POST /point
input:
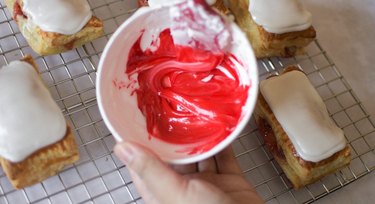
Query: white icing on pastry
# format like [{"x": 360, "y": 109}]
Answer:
[
  {"x": 153, "y": 3},
  {"x": 60, "y": 16},
  {"x": 211, "y": 2},
  {"x": 30, "y": 118},
  {"x": 280, "y": 16},
  {"x": 303, "y": 115}
]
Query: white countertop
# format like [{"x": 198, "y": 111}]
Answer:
[{"x": 346, "y": 30}]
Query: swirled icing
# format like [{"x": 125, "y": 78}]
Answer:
[{"x": 188, "y": 96}]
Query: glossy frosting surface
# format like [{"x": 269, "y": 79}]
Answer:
[
  {"x": 280, "y": 16},
  {"x": 60, "y": 16},
  {"x": 188, "y": 96},
  {"x": 303, "y": 116},
  {"x": 30, "y": 118}
]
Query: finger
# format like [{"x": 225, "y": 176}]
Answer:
[
  {"x": 185, "y": 169},
  {"x": 149, "y": 170},
  {"x": 142, "y": 188},
  {"x": 208, "y": 165},
  {"x": 227, "y": 163},
  {"x": 225, "y": 182}
]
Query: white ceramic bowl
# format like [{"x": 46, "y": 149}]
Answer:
[{"x": 119, "y": 108}]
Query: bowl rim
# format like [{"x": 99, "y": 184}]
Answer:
[{"x": 195, "y": 158}]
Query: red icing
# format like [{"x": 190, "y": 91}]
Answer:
[
  {"x": 179, "y": 107},
  {"x": 17, "y": 11},
  {"x": 269, "y": 138}
]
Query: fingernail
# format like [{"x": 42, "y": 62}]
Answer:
[{"x": 125, "y": 152}]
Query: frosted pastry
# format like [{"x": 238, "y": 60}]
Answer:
[
  {"x": 274, "y": 28},
  {"x": 35, "y": 141},
  {"x": 297, "y": 128},
  {"x": 55, "y": 26}
]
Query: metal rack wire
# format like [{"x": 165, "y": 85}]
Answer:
[{"x": 98, "y": 177}]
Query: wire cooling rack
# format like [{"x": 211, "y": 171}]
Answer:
[{"x": 98, "y": 177}]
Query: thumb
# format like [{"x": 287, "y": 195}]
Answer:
[{"x": 150, "y": 174}]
